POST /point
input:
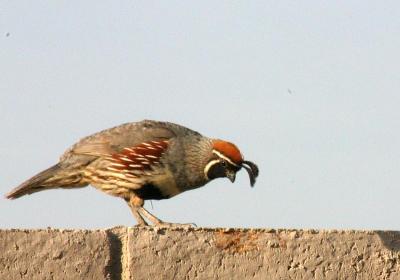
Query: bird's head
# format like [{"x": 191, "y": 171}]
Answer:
[{"x": 226, "y": 160}]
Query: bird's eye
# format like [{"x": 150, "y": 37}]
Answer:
[{"x": 224, "y": 163}]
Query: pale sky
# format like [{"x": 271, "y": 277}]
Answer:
[{"x": 309, "y": 90}]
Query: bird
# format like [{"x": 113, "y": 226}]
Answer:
[{"x": 139, "y": 161}]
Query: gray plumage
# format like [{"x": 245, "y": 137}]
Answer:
[{"x": 140, "y": 161}]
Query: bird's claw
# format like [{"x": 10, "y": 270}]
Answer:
[{"x": 178, "y": 225}]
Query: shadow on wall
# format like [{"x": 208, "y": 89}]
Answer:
[
  {"x": 390, "y": 239},
  {"x": 114, "y": 267}
]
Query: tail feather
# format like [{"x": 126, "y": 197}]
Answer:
[{"x": 53, "y": 177}]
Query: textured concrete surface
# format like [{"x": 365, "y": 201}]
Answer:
[
  {"x": 198, "y": 253},
  {"x": 54, "y": 254}
]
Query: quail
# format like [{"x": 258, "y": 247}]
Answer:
[{"x": 142, "y": 161}]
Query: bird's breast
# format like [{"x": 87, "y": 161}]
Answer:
[{"x": 161, "y": 186}]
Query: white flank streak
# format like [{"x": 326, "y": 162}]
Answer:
[
  {"x": 117, "y": 164},
  {"x": 124, "y": 176},
  {"x": 128, "y": 149},
  {"x": 225, "y": 158},
  {"x": 112, "y": 169},
  {"x": 126, "y": 159},
  {"x": 147, "y": 144},
  {"x": 135, "y": 165},
  {"x": 151, "y": 156},
  {"x": 152, "y": 148}
]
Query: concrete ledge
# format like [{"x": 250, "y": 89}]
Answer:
[
  {"x": 199, "y": 253},
  {"x": 54, "y": 254}
]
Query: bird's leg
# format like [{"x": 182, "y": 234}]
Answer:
[
  {"x": 150, "y": 217},
  {"x": 157, "y": 222},
  {"x": 135, "y": 204},
  {"x": 138, "y": 217}
]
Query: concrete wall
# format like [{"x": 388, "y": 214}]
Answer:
[{"x": 199, "y": 253}]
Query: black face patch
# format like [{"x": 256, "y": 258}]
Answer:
[
  {"x": 219, "y": 169},
  {"x": 149, "y": 191},
  {"x": 216, "y": 170}
]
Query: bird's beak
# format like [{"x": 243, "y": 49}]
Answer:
[{"x": 231, "y": 176}]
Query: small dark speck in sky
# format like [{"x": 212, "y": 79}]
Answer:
[
  {"x": 289, "y": 91},
  {"x": 8, "y": 34}
]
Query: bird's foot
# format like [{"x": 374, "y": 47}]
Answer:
[{"x": 178, "y": 225}]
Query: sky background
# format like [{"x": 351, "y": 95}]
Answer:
[{"x": 309, "y": 90}]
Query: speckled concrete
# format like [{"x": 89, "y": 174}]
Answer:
[{"x": 199, "y": 253}]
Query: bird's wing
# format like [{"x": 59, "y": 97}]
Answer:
[
  {"x": 115, "y": 140},
  {"x": 138, "y": 159}
]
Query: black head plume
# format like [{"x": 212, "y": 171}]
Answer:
[{"x": 252, "y": 169}]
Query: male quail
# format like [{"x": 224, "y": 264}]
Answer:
[{"x": 140, "y": 161}]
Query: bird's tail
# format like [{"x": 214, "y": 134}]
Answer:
[{"x": 51, "y": 178}]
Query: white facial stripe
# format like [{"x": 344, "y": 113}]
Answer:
[
  {"x": 225, "y": 158},
  {"x": 208, "y": 166}
]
